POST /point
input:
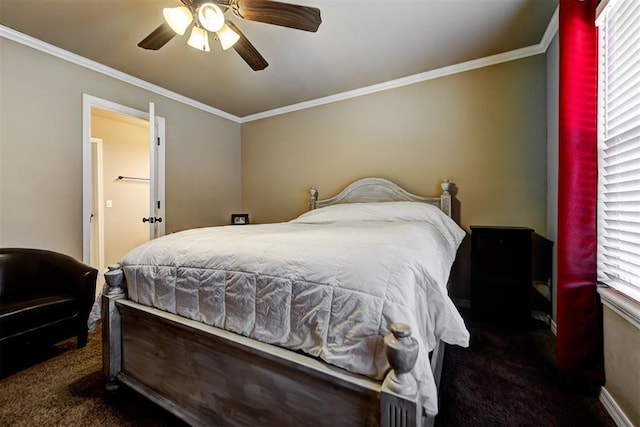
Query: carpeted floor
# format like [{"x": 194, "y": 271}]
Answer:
[
  {"x": 506, "y": 378},
  {"x": 64, "y": 386}
]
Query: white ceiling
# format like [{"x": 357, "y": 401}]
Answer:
[{"x": 359, "y": 43}]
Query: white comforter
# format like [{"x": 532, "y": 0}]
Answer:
[{"x": 327, "y": 284}]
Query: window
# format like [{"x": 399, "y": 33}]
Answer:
[{"x": 619, "y": 146}]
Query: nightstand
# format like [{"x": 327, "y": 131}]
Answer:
[{"x": 507, "y": 264}]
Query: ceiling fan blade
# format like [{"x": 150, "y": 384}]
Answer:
[
  {"x": 247, "y": 51},
  {"x": 158, "y": 38},
  {"x": 284, "y": 14}
]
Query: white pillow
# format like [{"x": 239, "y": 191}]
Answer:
[{"x": 386, "y": 211}]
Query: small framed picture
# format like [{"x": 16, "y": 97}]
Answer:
[{"x": 239, "y": 219}]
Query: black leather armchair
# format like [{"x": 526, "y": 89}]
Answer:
[{"x": 45, "y": 297}]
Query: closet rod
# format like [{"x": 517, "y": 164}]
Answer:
[{"x": 133, "y": 177}]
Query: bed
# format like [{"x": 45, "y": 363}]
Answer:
[{"x": 338, "y": 317}]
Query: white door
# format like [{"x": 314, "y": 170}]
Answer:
[{"x": 156, "y": 190}]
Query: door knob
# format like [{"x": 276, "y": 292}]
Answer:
[{"x": 152, "y": 219}]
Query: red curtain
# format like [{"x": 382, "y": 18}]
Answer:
[{"x": 579, "y": 314}]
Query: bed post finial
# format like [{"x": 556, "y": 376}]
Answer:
[
  {"x": 114, "y": 278},
  {"x": 445, "y": 197},
  {"x": 399, "y": 403},
  {"x": 402, "y": 352},
  {"x": 313, "y": 197},
  {"x": 445, "y": 185}
]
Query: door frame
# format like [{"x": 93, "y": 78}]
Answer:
[
  {"x": 99, "y": 198},
  {"x": 89, "y": 101}
]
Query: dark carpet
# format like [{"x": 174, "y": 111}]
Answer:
[
  {"x": 63, "y": 386},
  {"x": 506, "y": 378}
]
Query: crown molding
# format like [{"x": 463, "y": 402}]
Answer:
[
  {"x": 24, "y": 39},
  {"x": 551, "y": 31},
  {"x": 540, "y": 48},
  {"x": 404, "y": 81}
]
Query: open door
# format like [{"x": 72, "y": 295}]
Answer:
[
  {"x": 155, "y": 219},
  {"x": 156, "y": 186}
]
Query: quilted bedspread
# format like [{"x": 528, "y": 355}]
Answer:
[{"x": 328, "y": 287}]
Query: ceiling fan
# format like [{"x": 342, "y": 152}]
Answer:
[{"x": 207, "y": 16}]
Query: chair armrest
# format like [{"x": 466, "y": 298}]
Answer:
[{"x": 68, "y": 274}]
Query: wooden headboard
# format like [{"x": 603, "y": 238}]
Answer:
[{"x": 380, "y": 190}]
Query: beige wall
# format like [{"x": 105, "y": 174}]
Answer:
[
  {"x": 483, "y": 129},
  {"x": 622, "y": 363},
  {"x": 41, "y": 152}
]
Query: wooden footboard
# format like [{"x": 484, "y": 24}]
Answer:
[{"x": 209, "y": 376}]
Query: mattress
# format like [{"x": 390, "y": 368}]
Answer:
[{"x": 328, "y": 283}]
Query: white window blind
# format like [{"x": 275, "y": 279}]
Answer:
[{"x": 619, "y": 146}]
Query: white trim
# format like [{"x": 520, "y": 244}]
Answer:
[
  {"x": 551, "y": 31},
  {"x": 34, "y": 43},
  {"x": 612, "y": 407},
  {"x": 513, "y": 55},
  {"x": 100, "y": 196},
  {"x": 600, "y": 10},
  {"x": 621, "y": 304},
  {"x": 113, "y": 106},
  {"x": 405, "y": 81},
  {"x": 547, "y": 38},
  {"x": 86, "y": 179}
]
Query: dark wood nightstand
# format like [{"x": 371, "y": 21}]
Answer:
[{"x": 506, "y": 263}]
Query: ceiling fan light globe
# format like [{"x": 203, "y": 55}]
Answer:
[
  {"x": 178, "y": 18},
  {"x": 210, "y": 17},
  {"x": 227, "y": 37},
  {"x": 199, "y": 39}
]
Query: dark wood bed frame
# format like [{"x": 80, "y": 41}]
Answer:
[{"x": 208, "y": 376}]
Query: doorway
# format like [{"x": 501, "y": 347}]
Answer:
[{"x": 123, "y": 180}]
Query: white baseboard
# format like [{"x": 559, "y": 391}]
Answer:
[{"x": 613, "y": 409}]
